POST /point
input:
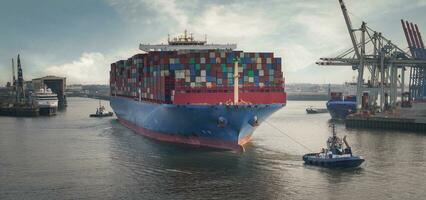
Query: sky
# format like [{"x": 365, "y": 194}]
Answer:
[{"x": 80, "y": 38}]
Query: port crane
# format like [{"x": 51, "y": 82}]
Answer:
[
  {"x": 376, "y": 56},
  {"x": 417, "y": 49}
]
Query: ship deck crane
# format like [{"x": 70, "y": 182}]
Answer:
[{"x": 386, "y": 64}]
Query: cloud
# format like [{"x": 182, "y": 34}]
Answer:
[
  {"x": 296, "y": 57},
  {"x": 88, "y": 69},
  {"x": 229, "y": 21},
  {"x": 299, "y": 31}
]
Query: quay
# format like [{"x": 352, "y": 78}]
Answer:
[
  {"x": 389, "y": 123},
  {"x": 19, "y": 110},
  {"x": 409, "y": 118}
]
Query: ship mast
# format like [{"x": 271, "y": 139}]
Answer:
[{"x": 236, "y": 81}]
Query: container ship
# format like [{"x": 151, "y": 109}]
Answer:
[
  {"x": 342, "y": 103},
  {"x": 191, "y": 92}
]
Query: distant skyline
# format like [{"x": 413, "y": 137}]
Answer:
[{"x": 80, "y": 38}]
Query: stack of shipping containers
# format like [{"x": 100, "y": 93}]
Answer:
[{"x": 159, "y": 75}]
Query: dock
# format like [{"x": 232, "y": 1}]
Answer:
[
  {"x": 389, "y": 123},
  {"x": 409, "y": 119},
  {"x": 19, "y": 110}
]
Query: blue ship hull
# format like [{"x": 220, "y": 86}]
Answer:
[
  {"x": 340, "y": 109},
  {"x": 217, "y": 126}
]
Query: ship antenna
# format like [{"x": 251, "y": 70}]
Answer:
[
  {"x": 205, "y": 38},
  {"x": 168, "y": 38},
  {"x": 185, "y": 37},
  {"x": 333, "y": 128}
]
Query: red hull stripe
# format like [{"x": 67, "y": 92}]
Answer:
[
  {"x": 214, "y": 98},
  {"x": 193, "y": 141}
]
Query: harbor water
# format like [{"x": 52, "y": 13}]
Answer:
[{"x": 72, "y": 156}]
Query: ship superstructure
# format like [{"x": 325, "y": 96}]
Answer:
[{"x": 46, "y": 101}]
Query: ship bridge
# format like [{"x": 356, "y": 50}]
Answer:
[{"x": 185, "y": 42}]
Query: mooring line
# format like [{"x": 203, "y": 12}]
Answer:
[{"x": 294, "y": 140}]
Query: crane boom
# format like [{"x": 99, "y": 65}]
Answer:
[{"x": 349, "y": 25}]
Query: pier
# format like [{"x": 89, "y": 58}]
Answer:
[
  {"x": 19, "y": 111},
  {"x": 382, "y": 122}
]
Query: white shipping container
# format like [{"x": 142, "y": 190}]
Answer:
[
  {"x": 187, "y": 79},
  {"x": 261, "y": 72},
  {"x": 222, "y": 54},
  {"x": 268, "y": 60},
  {"x": 203, "y": 60},
  {"x": 251, "y": 79},
  {"x": 259, "y": 60},
  {"x": 212, "y": 55},
  {"x": 209, "y": 84},
  {"x": 203, "y": 79},
  {"x": 240, "y": 70},
  {"x": 192, "y": 84},
  {"x": 203, "y": 72},
  {"x": 172, "y": 61}
]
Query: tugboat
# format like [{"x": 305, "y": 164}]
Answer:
[
  {"x": 334, "y": 156},
  {"x": 101, "y": 112}
]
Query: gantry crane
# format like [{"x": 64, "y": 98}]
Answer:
[
  {"x": 380, "y": 65},
  {"x": 415, "y": 43}
]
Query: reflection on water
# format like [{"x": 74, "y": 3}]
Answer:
[{"x": 72, "y": 156}]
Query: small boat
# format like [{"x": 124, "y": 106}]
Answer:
[
  {"x": 312, "y": 110},
  {"x": 334, "y": 156},
  {"x": 108, "y": 114},
  {"x": 101, "y": 112}
]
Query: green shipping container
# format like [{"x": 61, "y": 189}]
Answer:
[
  {"x": 223, "y": 68},
  {"x": 250, "y": 73}
]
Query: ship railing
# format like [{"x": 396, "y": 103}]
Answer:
[{"x": 227, "y": 89}]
